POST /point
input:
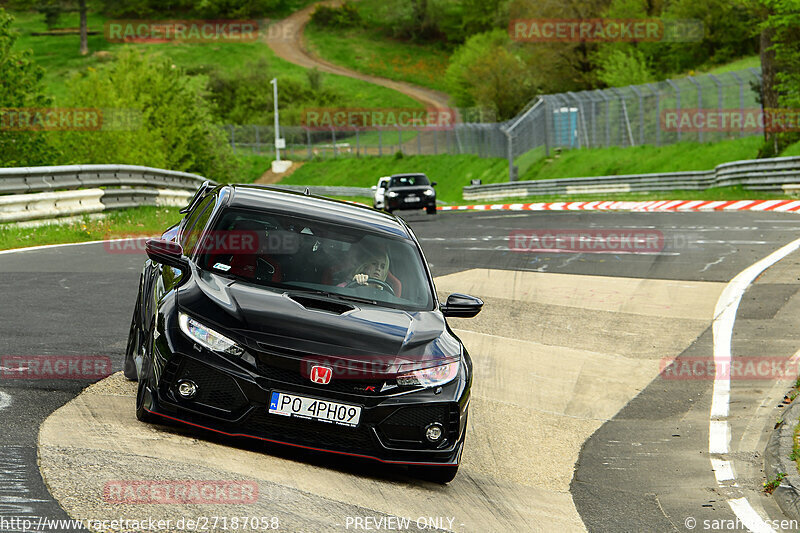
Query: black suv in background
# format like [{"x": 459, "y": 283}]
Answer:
[{"x": 410, "y": 191}]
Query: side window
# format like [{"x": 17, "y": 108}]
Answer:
[{"x": 195, "y": 223}]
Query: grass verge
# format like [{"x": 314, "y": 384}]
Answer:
[
  {"x": 116, "y": 224},
  {"x": 637, "y": 160},
  {"x": 451, "y": 172},
  {"x": 370, "y": 51},
  {"x": 60, "y": 58}
]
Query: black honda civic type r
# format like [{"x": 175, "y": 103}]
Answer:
[{"x": 303, "y": 321}]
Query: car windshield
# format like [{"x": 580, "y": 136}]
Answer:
[
  {"x": 292, "y": 253},
  {"x": 410, "y": 181}
]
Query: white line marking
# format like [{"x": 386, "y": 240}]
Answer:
[
  {"x": 749, "y": 517},
  {"x": 5, "y": 400},
  {"x": 719, "y": 436},
  {"x": 724, "y": 319},
  {"x": 723, "y": 470}
]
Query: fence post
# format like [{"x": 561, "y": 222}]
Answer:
[
  {"x": 257, "y": 145},
  {"x": 677, "y": 103},
  {"x": 380, "y": 142},
  {"x": 509, "y": 154},
  {"x": 419, "y": 142},
  {"x": 740, "y": 81},
  {"x": 641, "y": 113},
  {"x": 435, "y": 142},
  {"x": 233, "y": 139},
  {"x": 358, "y": 142},
  {"x": 399, "y": 139},
  {"x": 653, "y": 87},
  {"x": 699, "y": 103},
  {"x": 308, "y": 143},
  {"x": 333, "y": 138}
]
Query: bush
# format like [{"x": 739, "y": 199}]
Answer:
[
  {"x": 245, "y": 97},
  {"x": 346, "y": 16},
  {"x": 173, "y": 126}
]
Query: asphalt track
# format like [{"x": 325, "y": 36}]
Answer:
[{"x": 567, "y": 352}]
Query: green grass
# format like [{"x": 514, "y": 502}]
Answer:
[
  {"x": 614, "y": 161},
  {"x": 370, "y": 51},
  {"x": 451, "y": 172},
  {"x": 792, "y": 150},
  {"x": 252, "y": 167},
  {"x": 735, "y": 65},
  {"x": 117, "y": 224},
  {"x": 60, "y": 58}
]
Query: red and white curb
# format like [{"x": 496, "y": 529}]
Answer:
[{"x": 648, "y": 206}]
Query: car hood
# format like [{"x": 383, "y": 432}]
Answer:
[{"x": 296, "y": 323}]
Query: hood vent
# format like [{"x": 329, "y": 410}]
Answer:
[{"x": 327, "y": 306}]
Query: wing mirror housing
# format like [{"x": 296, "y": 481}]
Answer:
[
  {"x": 168, "y": 253},
  {"x": 461, "y": 306},
  {"x": 433, "y": 184},
  {"x": 374, "y": 187}
]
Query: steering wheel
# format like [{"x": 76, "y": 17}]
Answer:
[{"x": 374, "y": 281}]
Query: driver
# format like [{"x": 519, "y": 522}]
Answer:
[{"x": 375, "y": 266}]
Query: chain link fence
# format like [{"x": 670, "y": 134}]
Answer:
[{"x": 619, "y": 116}]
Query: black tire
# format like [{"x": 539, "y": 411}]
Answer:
[
  {"x": 134, "y": 345},
  {"x": 431, "y": 210},
  {"x": 436, "y": 474},
  {"x": 142, "y": 414}
]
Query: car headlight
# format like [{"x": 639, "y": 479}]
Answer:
[
  {"x": 207, "y": 337},
  {"x": 391, "y": 194},
  {"x": 429, "y": 192},
  {"x": 430, "y": 377}
]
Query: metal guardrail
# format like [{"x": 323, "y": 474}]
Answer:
[
  {"x": 40, "y": 193},
  {"x": 23, "y": 180},
  {"x": 327, "y": 190},
  {"x": 771, "y": 175}
]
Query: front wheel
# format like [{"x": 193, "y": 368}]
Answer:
[
  {"x": 134, "y": 345},
  {"x": 436, "y": 474},
  {"x": 431, "y": 210},
  {"x": 142, "y": 414}
]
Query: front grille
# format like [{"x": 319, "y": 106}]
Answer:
[
  {"x": 406, "y": 426},
  {"x": 294, "y": 377},
  {"x": 214, "y": 389},
  {"x": 311, "y": 433}
]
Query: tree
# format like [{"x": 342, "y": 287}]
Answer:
[
  {"x": 153, "y": 114},
  {"x": 779, "y": 36},
  {"x": 487, "y": 71},
  {"x": 53, "y": 8},
  {"x": 20, "y": 87}
]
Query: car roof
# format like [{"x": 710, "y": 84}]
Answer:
[
  {"x": 408, "y": 174},
  {"x": 318, "y": 208}
]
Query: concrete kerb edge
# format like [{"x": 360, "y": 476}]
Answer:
[{"x": 776, "y": 461}]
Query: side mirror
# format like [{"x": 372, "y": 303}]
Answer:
[
  {"x": 433, "y": 184},
  {"x": 167, "y": 253},
  {"x": 374, "y": 187},
  {"x": 461, "y": 306}
]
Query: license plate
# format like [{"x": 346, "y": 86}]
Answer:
[
  {"x": 410, "y": 199},
  {"x": 312, "y": 409}
]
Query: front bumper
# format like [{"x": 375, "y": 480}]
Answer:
[
  {"x": 400, "y": 202},
  {"x": 233, "y": 400}
]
